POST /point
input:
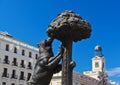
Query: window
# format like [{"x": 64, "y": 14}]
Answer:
[
  {"x": 28, "y": 77},
  {"x": 22, "y": 64},
  {"x": 30, "y": 54},
  {"x": 15, "y": 50},
  {"x": 7, "y": 47},
  {"x": 12, "y": 84},
  {"x": 14, "y": 74},
  {"x": 36, "y": 56},
  {"x": 14, "y": 63},
  {"x": 5, "y": 74},
  {"x": 3, "y": 83},
  {"x": 23, "y": 52},
  {"x": 21, "y": 75},
  {"x": 29, "y": 65},
  {"x": 6, "y": 61},
  {"x": 96, "y": 64}
]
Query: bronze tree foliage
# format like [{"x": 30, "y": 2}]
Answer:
[{"x": 69, "y": 26}]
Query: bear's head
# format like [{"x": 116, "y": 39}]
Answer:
[{"x": 45, "y": 47}]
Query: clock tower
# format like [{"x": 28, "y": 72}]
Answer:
[
  {"x": 98, "y": 62},
  {"x": 98, "y": 65}
]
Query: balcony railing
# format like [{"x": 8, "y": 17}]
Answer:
[
  {"x": 5, "y": 61},
  {"x": 5, "y": 75},
  {"x": 13, "y": 76},
  {"x": 22, "y": 66},
  {"x": 14, "y": 63},
  {"x": 29, "y": 67},
  {"x": 28, "y": 78},
  {"x": 22, "y": 78}
]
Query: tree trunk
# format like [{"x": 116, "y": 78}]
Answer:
[{"x": 66, "y": 68}]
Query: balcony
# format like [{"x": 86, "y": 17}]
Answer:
[
  {"x": 22, "y": 78},
  {"x": 22, "y": 66},
  {"x": 13, "y": 76},
  {"x": 5, "y": 75},
  {"x": 14, "y": 63},
  {"x": 29, "y": 67},
  {"x": 5, "y": 61}
]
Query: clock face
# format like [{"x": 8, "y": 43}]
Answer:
[{"x": 96, "y": 64}]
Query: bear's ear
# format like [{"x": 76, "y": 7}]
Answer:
[
  {"x": 50, "y": 39},
  {"x": 41, "y": 43}
]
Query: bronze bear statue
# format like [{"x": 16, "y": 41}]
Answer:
[{"x": 46, "y": 64}]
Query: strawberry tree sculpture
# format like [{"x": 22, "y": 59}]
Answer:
[{"x": 68, "y": 27}]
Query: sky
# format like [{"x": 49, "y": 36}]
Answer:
[{"x": 28, "y": 20}]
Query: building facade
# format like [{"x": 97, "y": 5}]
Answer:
[
  {"x": 17, "y": 60},
  {"x": 94, "y": 77},
  {"x": 78, "y": 79}
]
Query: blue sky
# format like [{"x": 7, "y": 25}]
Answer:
[{"x": 27, "y": 20}]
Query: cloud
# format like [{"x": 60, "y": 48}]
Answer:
[
  {"x": 114, "y": 72},
  {"x": 119, "y": 75}
]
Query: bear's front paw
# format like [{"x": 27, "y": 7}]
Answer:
[{"x": 72, "y": 64}]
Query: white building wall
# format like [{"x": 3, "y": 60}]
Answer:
[
  {"x": 4, "y": 39},
  {"x": 100, "y": 60},
  {"x": 57, "y": 79},
  {"x": 78, "y": 79}
]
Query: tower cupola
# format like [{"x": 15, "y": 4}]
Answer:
[{"x": 98, "y": 51}]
